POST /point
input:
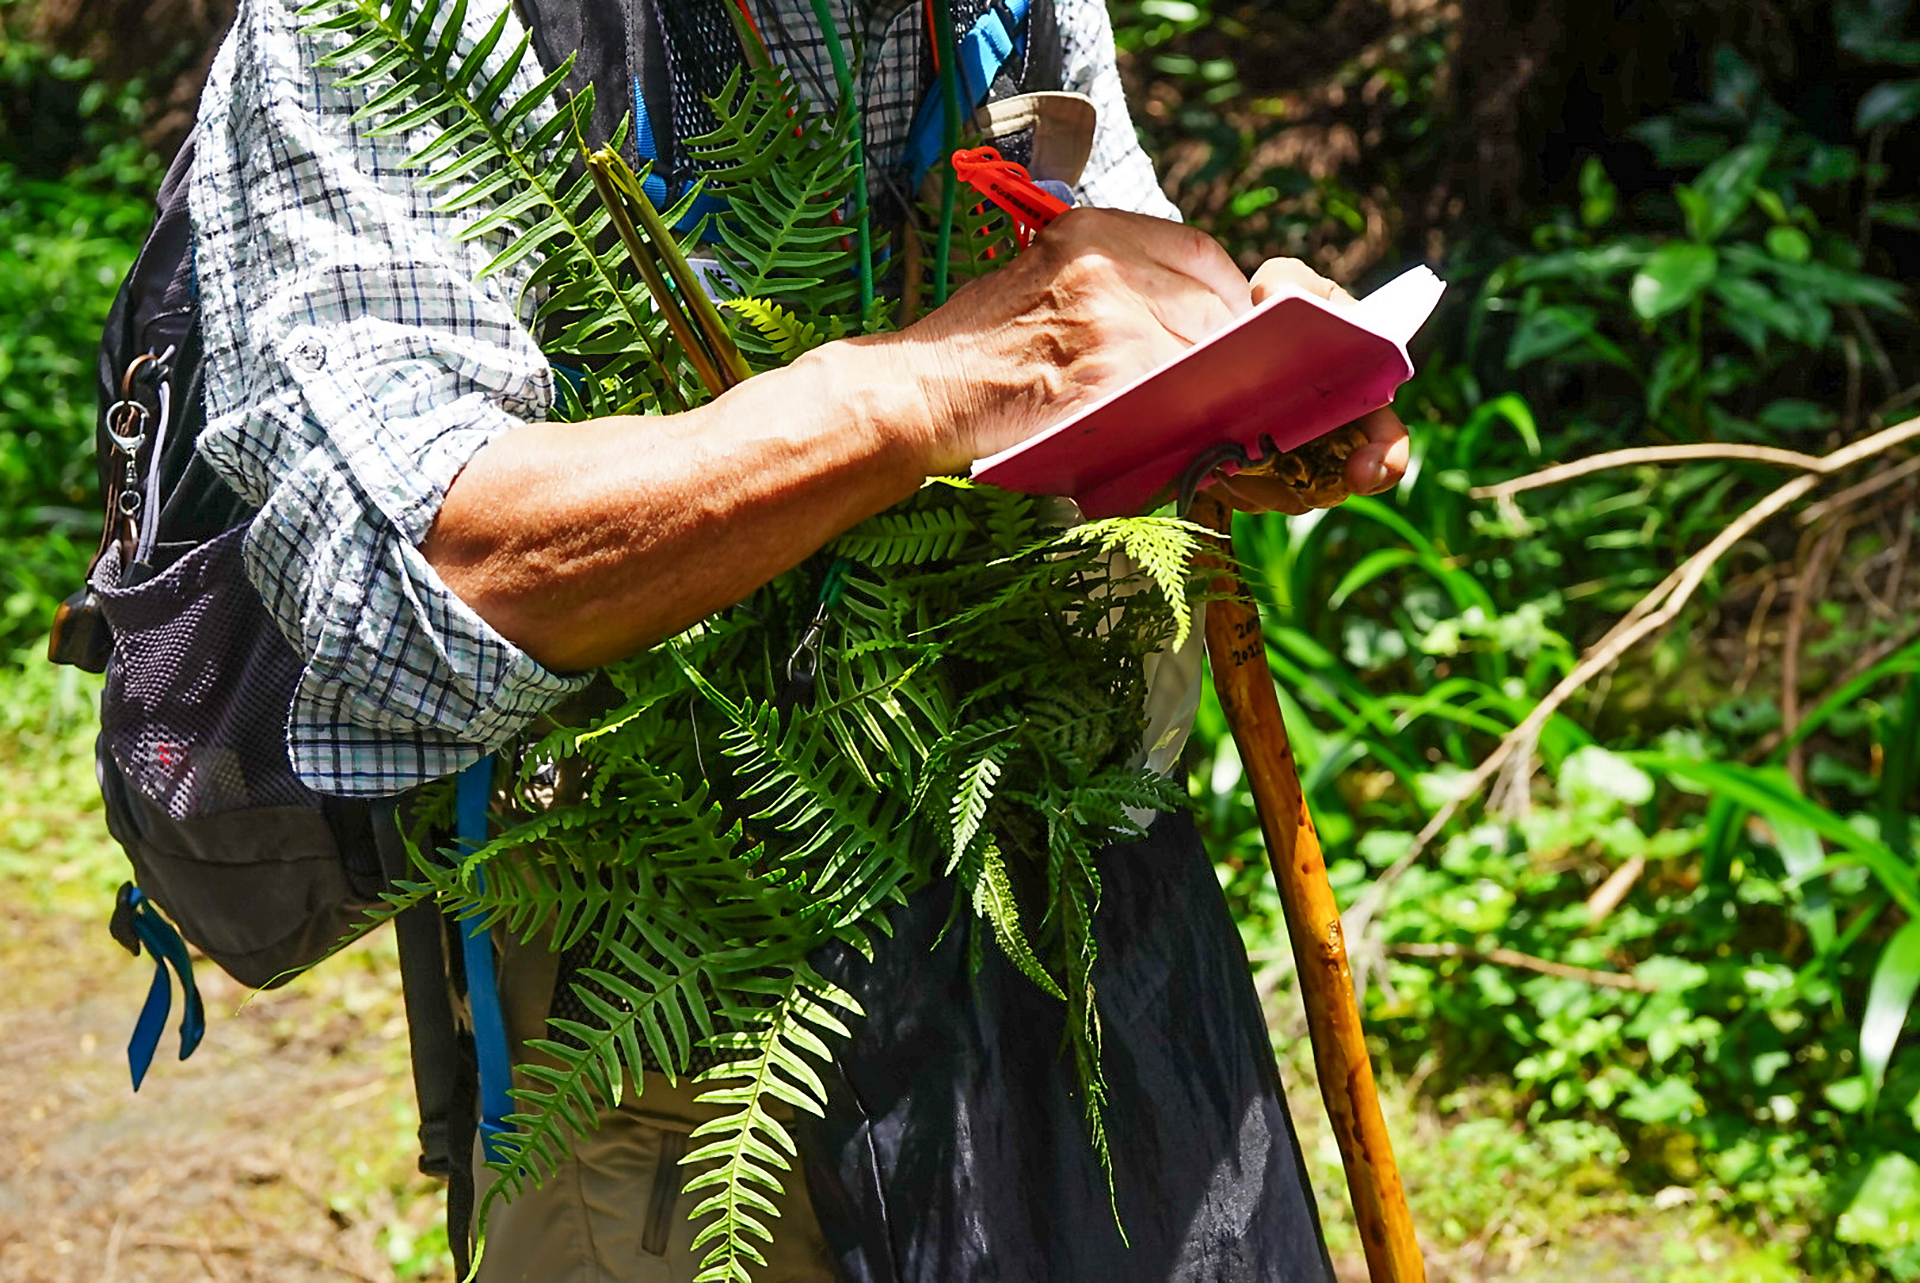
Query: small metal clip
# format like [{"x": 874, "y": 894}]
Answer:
[
  {"x": 803, "y": 666},
  {"x": 127, "y": 439}
]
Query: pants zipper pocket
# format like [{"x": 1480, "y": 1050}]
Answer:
[{"x": 665, "y": 1193}]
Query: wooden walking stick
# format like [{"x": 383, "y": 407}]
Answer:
[{"x": 1244, "y": 684}]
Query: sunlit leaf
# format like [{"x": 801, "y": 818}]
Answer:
[
  {"x": 1726, "y": 188},
  {"x": 1896, "y": 976},
  {"x": 1672, "y": 278},
  {"x": 1893, "y": 102}
]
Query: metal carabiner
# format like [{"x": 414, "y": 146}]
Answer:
[{"x": 117, "y": 415}]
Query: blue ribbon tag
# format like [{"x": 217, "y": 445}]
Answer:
[
  {"x": 137, "y": 925},
  {"x": 495, "y": 1059}
]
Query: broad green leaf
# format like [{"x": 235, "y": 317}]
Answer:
[
  {"x": 1789, "y": 244},
  {"x": 1549, "y": 330},
  {"x": 1749, "y": 302},
  {"x": 1593, "y": 265},
  {"x": 1726, "y": 188},
  {"x": 1595, "y": 774},
  {"x": 1369, "y": 568},
  {"x": 1885, "y": 1207},
  {"x": 1669, "y": 1100},
  {"x": 1896, "y": 975},
  {"x": 1598, "y": 195},
  {"x": 1822, "y": 282},
  {"x": 1677, "y": 367},
  {"x": 1672, "y": 278},
  {"x": 1893, "y": 102},
  {"x": 1508, "y": 406}
]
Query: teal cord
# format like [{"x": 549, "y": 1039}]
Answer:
[
  {"x": 949, "y": 182},
  {"x": 844, "y": 75},
  {"x": 834, "y": 581}
]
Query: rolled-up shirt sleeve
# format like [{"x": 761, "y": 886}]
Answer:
[
  {"x": 1119, "y": 174},
  {"x": 353, "y": 366}
]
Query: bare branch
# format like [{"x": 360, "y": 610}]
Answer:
[
  {"x": 1652, "y": 613},
  {"x": 1526, "y": 962},
  {"x": 1646, "y": 454},
  {"x": 1845, "y": 457},
  {"x": 1607, "y": 896},
  {"x": 1854, "y": 493}
]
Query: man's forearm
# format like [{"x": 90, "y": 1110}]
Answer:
[{"x": 584, "y": 542}]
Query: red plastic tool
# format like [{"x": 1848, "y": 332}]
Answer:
[{"x": 1007, "y": 184}]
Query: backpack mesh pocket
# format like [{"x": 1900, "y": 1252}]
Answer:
[{"x": 195, "y": 707}]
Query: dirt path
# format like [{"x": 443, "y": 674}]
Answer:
[
  {"x": 283, "y": 1152},
  {"x": 280, "y": 1151}
]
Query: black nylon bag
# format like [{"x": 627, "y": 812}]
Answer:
[
  {"x": 259, "y": 872},
  {"x": 954, "y": 1147}
]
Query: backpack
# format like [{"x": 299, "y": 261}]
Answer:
[{"x": 259, "y": 872}]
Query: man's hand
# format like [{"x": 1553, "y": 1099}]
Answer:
[
  {"x": 1099, "y": 298},
  {"x": 1376, "y": 466}
]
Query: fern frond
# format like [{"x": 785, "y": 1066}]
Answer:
[
  {"x": 787, "y": 172},
  {"x": 1163, "y": 547},
  {"x": 750, "y": 1146},
  {"x": 905, "y": 538},
  {"x": 790, "y": 336}
]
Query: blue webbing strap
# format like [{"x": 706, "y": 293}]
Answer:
[
  {"x": 655, "y": 186},
  {"x": 495, "y": 1063},
  {"x": 643, "y": 145},
  {"x": 987, "y": 46},
  {"x": 166, "y": 948},
  {"x": 994, "y": 38}
]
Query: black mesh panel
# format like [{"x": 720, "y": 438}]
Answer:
[
  {"x": 199, "y": 685},
  {"x": 702, "y": 52}
]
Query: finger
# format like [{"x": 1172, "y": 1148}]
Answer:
[
  {"x": 1261, "y": 494},
  {"x": 1290, "y": 273},
  {"x": 1382, "y": 461},
  {"x": 1186, "y": 309},
  {"x": 1174, "y": 246}
]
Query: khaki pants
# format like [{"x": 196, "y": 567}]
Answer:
[{"x": 613, "y": 1212}]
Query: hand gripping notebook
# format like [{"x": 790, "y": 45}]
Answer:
[{"x": 1292, "y": 369}]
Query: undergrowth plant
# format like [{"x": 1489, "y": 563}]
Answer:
[
  {"x": 951, "y": 690},
  {"x": 75, "y": 196},
  {"x": 1690, "y": 917}
]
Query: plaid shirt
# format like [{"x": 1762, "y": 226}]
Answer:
[{"x": 353, "y": 366}]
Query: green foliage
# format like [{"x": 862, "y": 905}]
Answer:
[
  {"x": 68, "y": 230},
  {"x": 1759, "y": 940},
  {"x": 782, "y": 239},
  {"x": 1253, "y": 107},
  {"x": 974, "y": 694},
  {"x": 1720, "y": 312},
  {"x": 712, "y": 853}
]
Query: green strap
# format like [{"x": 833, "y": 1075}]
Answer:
[{"x": 848, "y": 103}]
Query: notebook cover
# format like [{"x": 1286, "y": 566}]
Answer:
[{"x": 1292, "y": 369}]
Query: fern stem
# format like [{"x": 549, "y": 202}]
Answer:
[
  {"x": 751, "y": 41},
  {"x": 843, "y": 75},
  {"x": 600, "y": 166},
  {"x": 693, "y": 294},
  {"x": 949, "y": 182}
]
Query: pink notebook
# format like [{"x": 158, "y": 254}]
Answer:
[{"x": 1292, "y": 369}]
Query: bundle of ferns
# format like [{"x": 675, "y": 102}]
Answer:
[{"x": 950, "y": 691}]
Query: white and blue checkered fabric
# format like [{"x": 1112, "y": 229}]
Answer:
[{"x": 353, "y": 366}]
